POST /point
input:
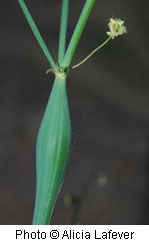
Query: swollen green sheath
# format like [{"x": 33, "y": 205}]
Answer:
[{"x": 52, "y": 152}]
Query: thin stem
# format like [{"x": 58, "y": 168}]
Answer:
[
  {"x": 77, "y": 32},
  {"x": 91, "y": 54},
  {"x": 37, "y": 33},
  {"x": 63, "y": 30}
]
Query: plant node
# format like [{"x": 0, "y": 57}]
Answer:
[{"x": 60, "y": 71}]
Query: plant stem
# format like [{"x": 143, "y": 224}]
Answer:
[
  {"x": 63, "y": 30},
  {"x": 77, "y": 32},
  {"x": 37, "y": 33},
  {"x": 91, "y": 54}
]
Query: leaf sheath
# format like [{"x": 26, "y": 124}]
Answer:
[{"x": 52, "y": 152}]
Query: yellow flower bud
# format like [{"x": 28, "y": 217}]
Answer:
[{"x": 116, "y": 27}]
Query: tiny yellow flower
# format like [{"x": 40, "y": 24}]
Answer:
[{"x": 116, "y": 27}]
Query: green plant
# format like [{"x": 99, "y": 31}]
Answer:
[{"x": 54, "y": 137}]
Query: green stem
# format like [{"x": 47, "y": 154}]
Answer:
[
  {"x": 77, "y": 32},
  {"x": 91, "y": 54},
  {"x": 37, "y": 33},
  {"x": 63, "y": 30}
]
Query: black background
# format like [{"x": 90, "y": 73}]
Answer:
[{"x": 109, "y": 104}]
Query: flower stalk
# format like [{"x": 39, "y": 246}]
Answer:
[{"x": 91, "y": 54}]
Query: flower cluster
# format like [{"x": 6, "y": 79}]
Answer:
[{"x": 116, "y": 27}]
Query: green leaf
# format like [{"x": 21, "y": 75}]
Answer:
[
  {"x": 36, "y": 33},
  {"x": 78, "y": 32},
  {"x": 53, "y": 152},
  {"x": 63, "y": 30}
]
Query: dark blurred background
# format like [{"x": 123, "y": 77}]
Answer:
[{"x": 107, "y": 181}]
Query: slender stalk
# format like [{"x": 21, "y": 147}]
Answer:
[
  {"x": 77, "y": 32},
  {"x": 91, "y": 54},
  {"x": 37, "y": 33},
  {"x": 63, "y": 30}
]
